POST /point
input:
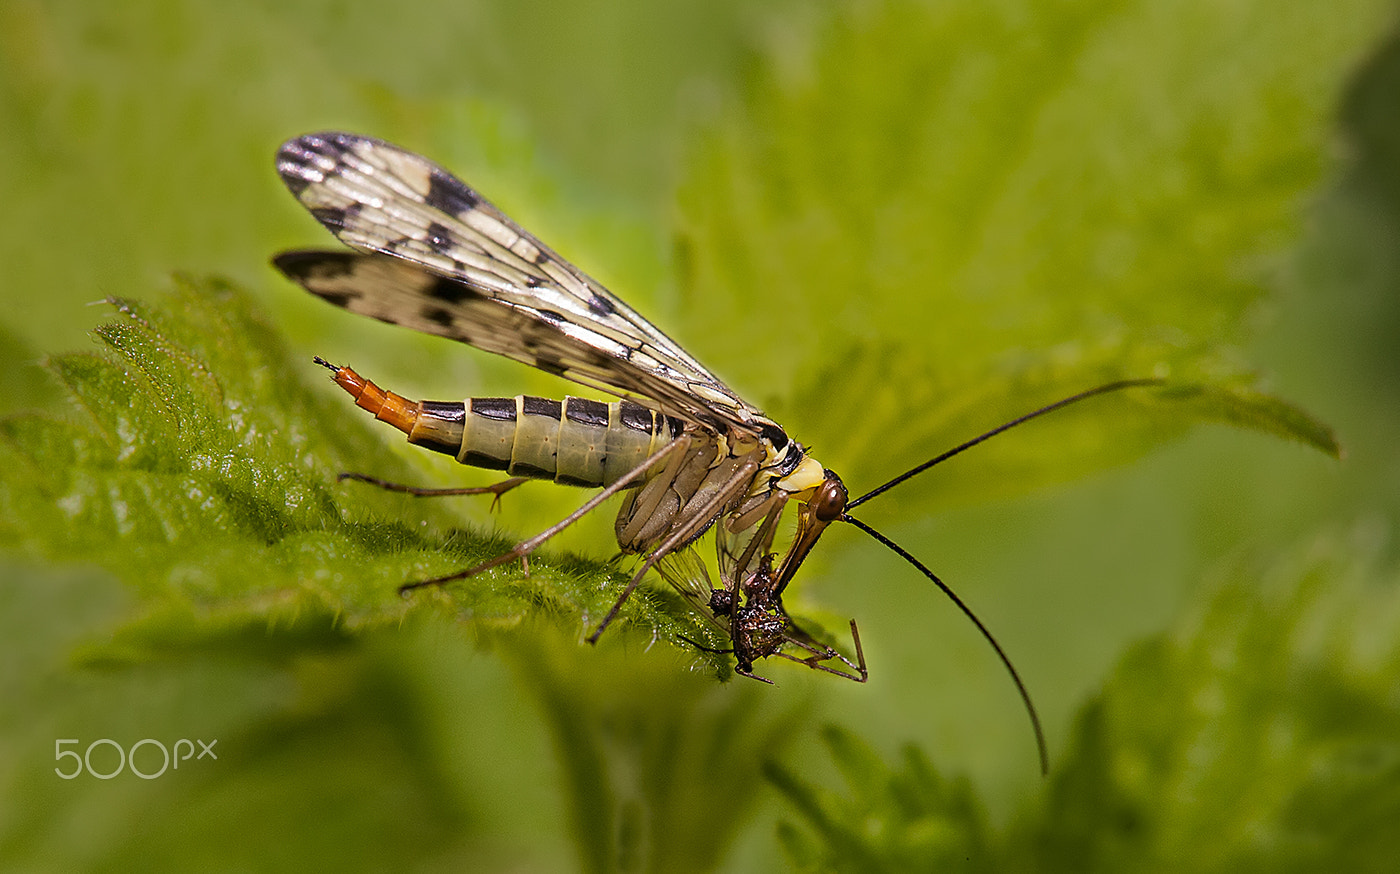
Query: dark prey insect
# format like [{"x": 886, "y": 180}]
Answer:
[{"x": 686, "y": 453}]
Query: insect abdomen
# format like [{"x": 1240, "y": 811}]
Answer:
[{"x": 575, "y": 441}]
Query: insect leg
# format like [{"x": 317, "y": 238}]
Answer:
[
  {"x": 526, "y": 547},
  {"x": 821, "y": 654},
  {"x": 747, "y": 672},
  {"x": 703, "y": 648},
  {"x": 759, "y": 542},
  {"x": 694, "y": 523},
  {"x": 497, "y": 489}
]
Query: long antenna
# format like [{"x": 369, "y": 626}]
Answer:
[
  {"x": 1050, "y": 408},
  {"x": 952, "y": 596},
  {"x": 967, "y": 611}
]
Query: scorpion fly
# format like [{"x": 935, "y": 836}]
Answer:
[{"x": 687, "y": 454}]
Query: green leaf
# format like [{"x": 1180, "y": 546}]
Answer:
[
  {"x": 200, "y": 469},
  {"x": 200, "y": 453}
]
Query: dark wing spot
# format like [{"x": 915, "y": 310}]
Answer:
[
  {"x": 600, "y": 305},
  {"x": 334, "y": 218},
  {"x": 596, "y": 358},
  {"x": 532, "y": 281},
  {"x": 341, "y": 299},
  {"x": 437, "y": 315},
  {"x": 551, "y": 317},
  {"x": 551, "y": 364},
  {"x": 449, "y": 194},
  {"x": 439, "y": 239},
  {"x": 451, "y": 291},
  {"x": 301, "y": 265},
  {"x": 294, "y": 160},
  {"x": 294, "y": 177}
]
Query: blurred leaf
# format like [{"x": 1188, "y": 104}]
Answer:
[
  {"x": 661, "y": 771},
  {"x": 1246, "y": 408},
  {"x": 402, "y": 746},
  {"x": 1094, "y": 434},
  {"x": 890, "y": 819},
  {"x": 942, "y": 216},
  {"x": 319, "y": 740},
  {"x": 25, "y": 384},
  {"x": 124, "y": 132},
  {"x": 1264, "y": 735}
]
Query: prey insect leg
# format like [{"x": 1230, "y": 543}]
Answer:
[{"x": 821, "y": 654}]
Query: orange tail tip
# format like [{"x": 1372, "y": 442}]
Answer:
[{"x": 384, "y": 405}]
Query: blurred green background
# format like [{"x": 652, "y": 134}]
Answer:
[{"x": 891, "y": 224}]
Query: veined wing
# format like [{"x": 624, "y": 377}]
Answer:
[{"x": 437, "y": 257}]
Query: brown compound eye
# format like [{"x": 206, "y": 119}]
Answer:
[{"x": 829, "y": 501}]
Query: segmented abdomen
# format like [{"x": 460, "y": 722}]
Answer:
[{"x": 575, "y": 441}]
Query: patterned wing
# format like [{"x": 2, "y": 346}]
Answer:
[{"x": 437, "y": 257}]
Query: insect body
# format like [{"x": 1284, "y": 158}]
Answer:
[
  {"x": 431, "y": 254},
  {"x": 437, "y": 257},
  {"x": 575, "y": 442}
]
